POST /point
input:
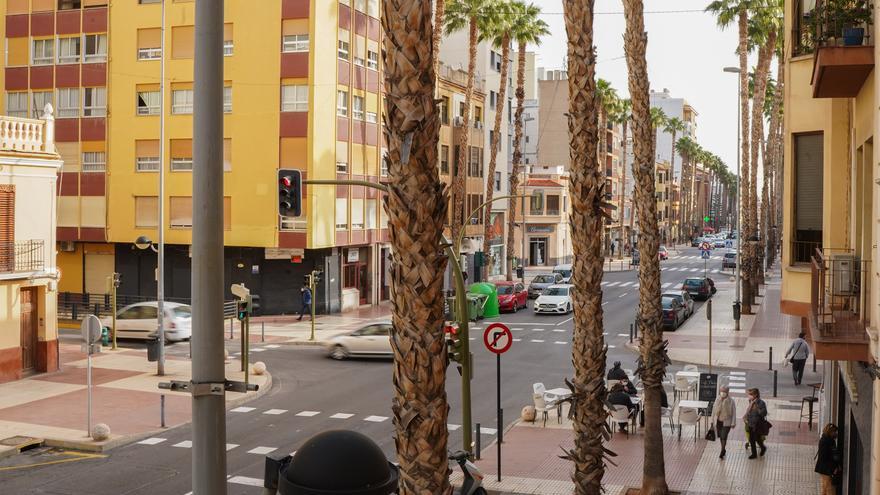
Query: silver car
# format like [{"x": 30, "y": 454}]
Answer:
[
  {"x": 371, "y": 340},
  {"x": 541, "y": 282},
  {"x": 141, "y": 321}
]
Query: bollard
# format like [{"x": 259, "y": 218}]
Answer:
[
  {"x": 501, "y": 426},
  {"x": 775, "y": 381},
  {"x": 630, "y": 333},
  {"x": 814, "y": 363},
  {"x": 162, "y": 409},
  {"x": 477, "y": 442},
  {"x": 771, "y": 358},
  {"x": 262, "y": 331},
  {"x": 230, "y": 329}
]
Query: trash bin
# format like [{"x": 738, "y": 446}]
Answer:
[
  {"x": 105, "y": 336},
  {"x": 475, "y": 306},
  {"x": 153, "y": 350},
  {"x": 490, "y": 307},
  {"x": 520, "y": 271}
]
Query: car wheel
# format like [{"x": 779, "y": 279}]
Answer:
[
  {"x": 339, "y": 353},
  {"x": 570, "y": 309}
]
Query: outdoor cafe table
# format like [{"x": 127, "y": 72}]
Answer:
[
  {"x": 560, "y": 393},
  {"x": 699, "y": 405}
]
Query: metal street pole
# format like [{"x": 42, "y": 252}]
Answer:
[
  {"x": 160, "y": 269},
  {"x": 208, "y": 409},
  {"x": 737, "y": 303},
  {"x": 524, "y": 228}
]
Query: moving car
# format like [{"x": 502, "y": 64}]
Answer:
[
  {"x": 719, "y": 242},
  {"x": 729, "y": 260},
  {"x": 555, "y": 299},
  {"x": 684, "y": 298},
  {"x": 696, "y": 241},
  {"x": 371, "y": 340},
  {"x": 664, "y": 254},
  {"x": 512, "y": 296},
  {"x": 699, "y": 288},
  {"x": 541, "y": 282},
  {"x": 673, "y": 312},
  {"x": 141, "y": 321},
  {"x": 565, "y": 271}
]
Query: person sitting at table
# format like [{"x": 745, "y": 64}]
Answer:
[
  {"x": 628, "y": 386},
  {"x": 619, "y": 397},
  {"x": 617, "y": 373}
]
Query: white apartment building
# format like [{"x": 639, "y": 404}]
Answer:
[{"x": 673, "y": 107}]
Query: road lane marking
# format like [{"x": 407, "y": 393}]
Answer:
[
  {"x": 242, "y": 409},
  {"x": 230, "y": 446},
  {"x": 152, "y": 441},
  {"x": 452, "y": 427},
  {"x": 612, "y": 284},
  {"x": 308, "y": 414},
  {"x": 537, "y": 341},
  {"x": 341, "y": 416},
  {"x": 517, "y": 329},
  {"x": 560, "y": 342},
  {"x": 605, "y": 283},
  {"x": 244, "y": 480},
  {"x": 186, "y": 444},
  {"x": 559, "y": 330},
  {"x": 272, "y": 346},
  {"x": 623, "y": 295},
  {"x": 667, "y": 284},
  {"x": 623, "y": 335},
  {"x": 517, "y": 340},
  {"x": 262, "y": 450},
  {"x": 625, "y": 284},
  {"x": 488, "y": 431},
  {"x": 564, "y": 321},
  {"x": 258, "y": 350},
  {"x": 275, "y": 412},
  {"x": 742, "y": 373},
  {"x": 537, "y": 329},
  {"x": 612, "y": 347},
  {"x": 376, "y": 419}
]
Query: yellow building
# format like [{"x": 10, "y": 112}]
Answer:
[
  {"x": 663, "y": 191},
  {"x": 302, "y": 91},
  {"x": 830, "y": 214},
  {"x": 29, "y": 168}
]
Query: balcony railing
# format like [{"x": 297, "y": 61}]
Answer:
[
  {"x": 802, "y": 251},
  {"x": 839, "y": 310},
  {"x": 22, "y": 256},
  {"x": 28, "y": 135},
  {"x": 832, "y": 23}
]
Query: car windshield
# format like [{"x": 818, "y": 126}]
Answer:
[
  {"x": 182, "y": 312},
  {"x": 730, "y": 255},
  {"x": 505, "y": 289},
  {"x": 694, "y": 282},
  {"x": 673, "y": 296},
  {"x": 667, "y": 302},
  {"x": 544, "y": 279},
  {"x": 556, "y": 291},
  {"x": 662, "y": 248},
  {"x": 564, "y": 273}
]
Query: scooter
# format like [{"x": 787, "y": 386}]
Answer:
[{"x": 472, "y": 484}]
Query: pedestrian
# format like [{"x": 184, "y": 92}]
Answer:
[
  {"x": 828, "y": 459},
  {"x": 617, "y": 373},
  {"x": 613, "y": 245},
  {"x": 619, "y": 397},
  {"x": 756, "y": 422},
  {"x": 723, "y": 417},
  {"x": 306, "y": 300},
  {"x": 800, "y": 351}
]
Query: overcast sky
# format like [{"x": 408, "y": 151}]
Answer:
[{"x": 686, "y": 54}]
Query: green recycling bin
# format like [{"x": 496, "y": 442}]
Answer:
[
  {"x": 476, "y": 303},
  {"x": 490, "y": 308}
]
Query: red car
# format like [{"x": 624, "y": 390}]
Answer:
[{"x": 512, "y": 296}]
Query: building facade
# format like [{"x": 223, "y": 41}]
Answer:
[
  {"x": 547, "y": 239},
  {"x": 673, "y": 108}
]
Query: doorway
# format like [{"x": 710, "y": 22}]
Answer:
[
  {"x": 356, "y": 273},
  {"x": 537, "y": 251},
  {"x": 28, "y": 328}
]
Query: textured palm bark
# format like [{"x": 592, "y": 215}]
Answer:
[
  {"x": 672, "y": 168},
  {"x": 621, "y": 206},
  {"x": 745, "y": 224},
  {"x": 416, "y": 204},
  {"x": 652, "y": 349},
  {"x": 775, "y": 160},
  {"x": 437, "y": 37},
  {"x": 458, "y": 187},
  {"x": 517, "y": 157},
  {"x": 765, "y": 56},
  {"x": 587, "y": 219},
  {"x": 493, "y": 158},
  {"x": 686, "y": 173}
]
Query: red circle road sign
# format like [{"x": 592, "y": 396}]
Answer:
[{"x": 497, "y": 338}]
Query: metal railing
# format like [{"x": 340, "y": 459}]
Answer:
[
  {"x": 75, "y": 305},
  {"x": 22, "y": 256},
  {"x": 802, "y": 251},
  {"x": 826, "y": 25},
  {"x": 839, "y": 295}
]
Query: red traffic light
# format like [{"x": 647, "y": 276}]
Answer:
[{"x": 285, "y": 181}]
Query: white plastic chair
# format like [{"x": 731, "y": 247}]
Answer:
[
  {"x": 683, "y": 387},
  {"x": 541, "y": 406},
  {"x": 621, "y": 415},
  {"x": 538, "y": 388},
  {"x": 688, "y": 416},
  {"x": 666, "y": 412},
  {"x": 691, "y": 367}
]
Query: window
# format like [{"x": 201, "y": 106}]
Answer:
[
  {"x": 149, "y": 42},
  {"x": 370, "y": 214},
  {"x": 227, "y": 40},
  {"x": 295, "y": 43},
  {"x": 68, "y": 4},
  {"x": 96, "y": 48},
  {"x": 383, "y": 164},
  {"x": 536, "y": 204},
  {"x": 39, "y": 99},
  {"x": 143, "y": 2},
  {"x": 444, "y": 110},
  {"x": 227, "y": 99},
  {"x": 808, "y": 190},
  {"x": 357, "y": 107},
  {"x": 146, "y": 155},
  {"x": 475, "y": 162},
  {"x": 147, "y": 164},
  {"x": 94, "y": 102},
  {"x": 68, "y": 50},
  {"x": 492, "y": 97},
  {"x": 182, "y": 41},
  {"x": 227, "y": 155},
  {"x": 553, "y": 204},
  {"x": 181, "y": 212},
  {"x": 182, "y": 101},
  {"x": 42, "y": 53},
  {"x": 146, "y": 211},
  {"x": 181, "y": 155},
  {"x": 342, "y": 103},
  {"x": 372, "y": 117},
  {"x": 94, "y": 161},
  {"x": 227, "y": 48},
  {"x": 148, "y": 103},
  {"x": 372, "y": 60},
  {"x": 149, "y": 53},
  {"x": 373, "y": 8},
  {"x": 497, "y": 181},
  {"x": 478, "y": 117},
  {"x": 342, "y": 50},
  {"x": 17, "y": 104},
  {"x": 444, "y": 159},
  {"x": 295, "y": 98},
  {"x": 68, "y": 102},
  {"x": 341, "y": 214},
  {"x": 341, "y": 165},
  {"x": 357, "y": 213}
]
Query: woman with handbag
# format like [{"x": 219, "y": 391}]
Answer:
[
  {"x": 800, "y": 351},
  {"x": 723, "y": 418},
  {"x": 757, "y": 426},
  {"x": 828, "y": 459}
]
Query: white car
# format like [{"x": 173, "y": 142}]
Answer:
[
  {"x": 555, "y": 299},
  {"x": 371, "y": 340},
  {"x": 141, "y": 321}
]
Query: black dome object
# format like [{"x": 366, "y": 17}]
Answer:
[{"x": 339, "y": 462}]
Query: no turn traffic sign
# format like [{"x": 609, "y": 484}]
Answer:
[{"x": 497, "y": 338}]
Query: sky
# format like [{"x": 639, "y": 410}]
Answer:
[{"x": 686, "y": 54}]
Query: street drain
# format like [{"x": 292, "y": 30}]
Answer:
[{"x": 21, "y": 443}]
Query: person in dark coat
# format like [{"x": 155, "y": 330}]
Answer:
[
  {"x": 617, "y": 373},
  {"x": 619, "y": 397},
  {"x": 306, "y": 301},
  {"x": 628, "y": 387},
  {"x": 756, "y": 413},
  {"x": 827, "y": 459}
]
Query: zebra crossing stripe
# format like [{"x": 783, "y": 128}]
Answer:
[
  {"x": 452, "y": 427},
  {"x": 186, "y": 444},
  {"x": 152, "y": 441},
  {"x": 245, "y": 480}
]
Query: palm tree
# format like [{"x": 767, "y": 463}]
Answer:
[
  {"x": 437, "y": 38},
  {"x": 461, "y": 14},
  {"x": 527, "y": 29},
  {"x": 652, "y": 349},
  {"x": 687, "y": 147},
  {"x": 774, "y": 152},
  {"x": 416, "y": 196},
  {"x": 587, "y": 219},
  {"x": 608, "y": 100},
  {"x": 621, "y": 117},
  {"x": 673, "y": 126}
]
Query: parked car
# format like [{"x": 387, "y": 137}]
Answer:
[
  {"x": 719, "y": 242},
  {"x": 555, "y": 299},
  {"x": 699, "y": 288},
  {"x": 673, "y": 312},
  {"x": 541, "y": 282},
  {"x": 512, "y": 296},
  {"x": 141, "y": 321},
  {"x": 371, "y": 340},
  {"x": 684, "y": 298},
  {"x": 696, "y": 241},
  {"x": 729, "y": 260},
  {"x": 565, "y": 271},
  {"x": 664, "y": 254}
]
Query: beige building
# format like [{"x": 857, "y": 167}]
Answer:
[
  {"x": 29, "y": 166},
  {"x": 663, "y": 193},
  {"x": 548, "y": 241}
]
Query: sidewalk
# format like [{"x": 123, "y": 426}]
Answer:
[
  {"x": 125, "y": 395},
  {"x": 288, "y": 329}
]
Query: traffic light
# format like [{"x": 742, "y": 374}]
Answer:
[
  {"x": 289, "y": 193},
  {"x": 307, "y": 280},
  {"x": 454, "y": 346},
  {"x": 241, "y": 309}
]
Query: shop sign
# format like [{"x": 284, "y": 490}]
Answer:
[
  {"x": 540, "y": 229},
  {"x": 283, "y": 253},
  {"x": 353, "y": 255}
]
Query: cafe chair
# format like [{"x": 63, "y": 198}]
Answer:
[
  {"x": 683, "y": 388},
  {"x": 541, "y": 406},
  {"x": 688, "y": 416},
  {"x": 621, "y": 415}
]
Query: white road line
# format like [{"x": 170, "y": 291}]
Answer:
[
  {"x": 242, "y": 409},
  {"x": 452, "y": 427},
  {"x": 186, "y": 444},
  {"x": 262, "y": 450},
  {"x": 559, "y": 330},
  {"x": 537, "y": 329},
  {"x": 341, "y": 416},
  {"x": 488, "y": 431},
  {"x": 612, "y": 284},
  {"x": 742, "y": 373},
  {"x": 605, "y": 283},
  {"x": 230, "y": 446},
  {"x": 308, "y": 414},
  {"x": 244, "y": 480},
  {"x": 623, "y": 295},
  {"x": 623, "y": 335},
  {"x": 737, "y": 378},
  {"x": 560, "y": 342},
  {"x": 517, "y": 328},
  {"x": 275, "y": 412},
  {"x": 667, "y": 284},
  {"x": 714, "y": 271},
  {"x": 537, "y": 341},
  {"x": 604, "y": 303},
  {"x": 517, "y": 340},
  {"x": 696, "y": 270},
  {"x": 272, "y": 346},
  {"x": 564, "y": 321},
  {"x": 376, "y": 419},
  {"x": 626, "y": 284},
  {"x": 258, "y": 350},
  {"x": 612, "y": 346},
  {"x": 474, "y": 338},
  {"x": 604, "y": 333},
  {"x": 152, "y": 441},
  {"x": 636, "y": 286}
]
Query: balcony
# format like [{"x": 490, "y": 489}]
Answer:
[
  {"x": 28, "y": 135},
  {"x": 22, "y": 257},
  {"x": 839, "y": 313},
  {"x": 843, "y": 53}
]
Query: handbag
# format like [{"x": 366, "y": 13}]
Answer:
[
  {"x": 710, "y": 435},
  {"x": 763, "y": 427},
  {"x": 791, "y": 360}
]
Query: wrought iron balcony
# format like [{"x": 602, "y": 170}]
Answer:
[
  {"x": 839, "y": 309},
  {"x": 22, "y": 256}
]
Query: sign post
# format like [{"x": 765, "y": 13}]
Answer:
[
  {"x": 705, "y": 252},
  {"x": 709, "y": 317},
  {"x": 91, "y": 335},
  {"x": 498, "y": 339}
]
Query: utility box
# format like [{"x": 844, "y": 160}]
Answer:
[{"x": 844, "y": 274}]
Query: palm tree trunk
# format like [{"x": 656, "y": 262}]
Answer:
[
  {"x": 774, "y": 160},
  {"x": 687, "y": 172},
  {"x": 458, "y": 190},
  {"x": 587, "y": 184},
  {"x": 672, "y": 163},
  {"x": 621, "y": 208},
  {"x": 652, "y": 349},
  {"x": 437, "y": 37},
  {"x": 603, "y": 161},
  {"x": 765, "y": 56},
  {"x": 415, "y": 197},
  {"x": 745, "y": 234},
  {"x": 517, "y": 158},
  {"x": 493, "y": 159}
]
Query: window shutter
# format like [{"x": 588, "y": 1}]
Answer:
[
  {"x": 7, "y": 228},
  {"x": 808, "y": 187}
]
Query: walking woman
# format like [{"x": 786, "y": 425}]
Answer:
[
  {"x": 827, "y": 459},
  {"x": 756, "y": 422},
  {"x": 724, "y": 417}
]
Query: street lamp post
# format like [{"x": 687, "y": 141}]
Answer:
[
  {"x": 143, "y": 242},
  {"x": 737, "y": 302}
]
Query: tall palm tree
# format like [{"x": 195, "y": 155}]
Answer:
[
  {"x": 587, "y": 219},
  {"x": 498, "y": 32},
  {"x": 608, "y": 101},
  {"x": 775, "y": 153},
  {"x": 527, "y": 29},
  {"x": 470, "y": 15},
  {"x": 416, "y": 196},
  {"x": 437, "y": 38},
  {"x": 652, "y": 349},
  {"x": 687, "y": 147},
  {"x": 621, "y": 117},
  {"x": 673, "y": 126}
]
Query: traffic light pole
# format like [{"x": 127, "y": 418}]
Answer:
[{"x": 312, "y": 305}]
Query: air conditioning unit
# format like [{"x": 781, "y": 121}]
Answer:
[
  {"x": 844, "y": 274},
  {"x": 67, "y": 246},
  {"x": 458, "y": 121}
]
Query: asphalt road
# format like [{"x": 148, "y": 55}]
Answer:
[{"x": 311, "y": 394}]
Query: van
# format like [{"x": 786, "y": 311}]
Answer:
[{"x": 565, "y": 271}]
